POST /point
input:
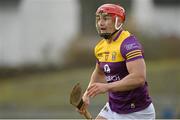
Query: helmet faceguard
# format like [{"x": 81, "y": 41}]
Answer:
[{"x": 116, "y": 12}]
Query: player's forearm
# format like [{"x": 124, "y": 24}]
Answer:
[
  {"x": 96, "y": 76},
  {"x": 130, "y": 82}
]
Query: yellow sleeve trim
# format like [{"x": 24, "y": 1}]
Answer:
[
  {"x": 133, "y": 52},
  {"x": 134, "y": 56}
]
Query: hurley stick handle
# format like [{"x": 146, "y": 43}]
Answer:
[
  {"x": 87, "y": 115},
  {"x": 77, "y": 101}
]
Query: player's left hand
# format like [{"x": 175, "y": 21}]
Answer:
[{"x": 97, "y": 88}]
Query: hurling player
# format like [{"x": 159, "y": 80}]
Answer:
[{"x": 120, "y": 69}]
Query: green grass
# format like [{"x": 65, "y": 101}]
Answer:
[
  {"x": 42, "y": 89},
  {"x": 164, "y": 77},
  {"x": 52, "y": 90},
  {"x": 161, "y": 75}
]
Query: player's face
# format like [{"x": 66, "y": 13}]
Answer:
[{"x": 104, "y": 23}]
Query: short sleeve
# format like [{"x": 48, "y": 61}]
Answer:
[
  {"x": 131, "y": 49},
  {"x": 97, "y": 61}
]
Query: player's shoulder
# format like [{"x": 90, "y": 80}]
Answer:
[
  {"x": 123, "y": 35},
  {"x": 130, "y": 41},
  {"x": 100, "y": 44},
  {"x": 131, "y": 48}
]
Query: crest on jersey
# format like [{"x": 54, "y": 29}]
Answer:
[{"x": 114, "y": 56}]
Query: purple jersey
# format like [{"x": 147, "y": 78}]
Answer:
[{"x": 112, "y": 58}]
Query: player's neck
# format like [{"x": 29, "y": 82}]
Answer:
[{"x": 115, "y": 36}]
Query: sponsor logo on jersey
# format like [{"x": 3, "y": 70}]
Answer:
[
  {"x": 131, "y": 46},
  {"x": 112, "y": 78},
  {"x": 105, "y": 54}
]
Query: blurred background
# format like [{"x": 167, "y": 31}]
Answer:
[{"x": 46, "y": 46}]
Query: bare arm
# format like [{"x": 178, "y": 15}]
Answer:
[
  {"x": 97, "y": 76},
  {"x": 135, "y": 78}
]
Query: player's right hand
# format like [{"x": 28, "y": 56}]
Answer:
[{"x": 86, "y": 101}]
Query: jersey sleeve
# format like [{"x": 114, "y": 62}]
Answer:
[
  {"x": 97, "y": 61},
  {"x": 131, "y": 49}
]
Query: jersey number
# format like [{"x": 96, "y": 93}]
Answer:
[{"x": 107, "y": 68}]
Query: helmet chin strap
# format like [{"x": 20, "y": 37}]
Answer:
[{"x": 108, "y": 35}]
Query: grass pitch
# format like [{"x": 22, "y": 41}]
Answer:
[{"x": 47, "y": 94}]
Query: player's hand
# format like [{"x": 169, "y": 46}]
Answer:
[
  {"x": 97, "y": 88},
  {"x": 86, "y": 101}
]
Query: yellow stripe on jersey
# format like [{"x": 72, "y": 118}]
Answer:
[
  {"x": 133, "y": 52},
  {"x": 134, "y": 56}
]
